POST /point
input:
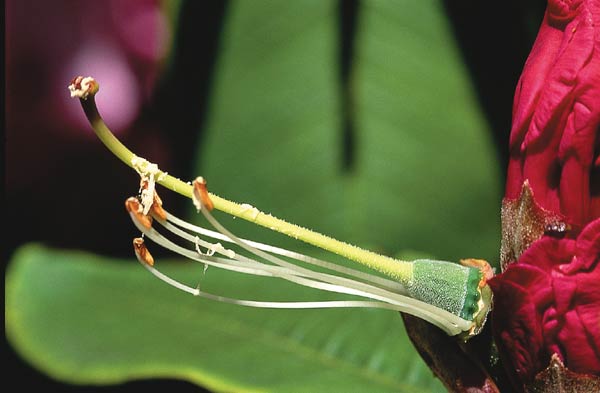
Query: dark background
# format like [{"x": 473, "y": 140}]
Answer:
[{"x": 495, "y": 38}]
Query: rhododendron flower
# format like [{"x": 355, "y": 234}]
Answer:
[{"x": 548, "y": 298}]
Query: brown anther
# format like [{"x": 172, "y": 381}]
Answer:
[
  {"x": 141, "y": 251},
  {"x": 134, "y": 207},
  {"x": 156, "y": 201},
  {"x": 157, "y": 207},
  {"x": 481, "y": 264},
  {"x": 201, "y": 197}
]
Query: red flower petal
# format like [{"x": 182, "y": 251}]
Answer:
[
  {"x": 549, "y": 302},
  {"x": 556, "y": 114}
]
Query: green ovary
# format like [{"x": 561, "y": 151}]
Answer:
[{"x": 452, "y": 287}]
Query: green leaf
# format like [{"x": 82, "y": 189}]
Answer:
[
  {"x": 85, "y": 319},
  {"x": 426, "y": 178}
]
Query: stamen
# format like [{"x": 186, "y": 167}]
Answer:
[
  {"x": 296, "y": 270},
  {"x": 261, "y": 304},
  {"x": 156, "y": 204},
  {"x": 449, "y": 328},
  {"x": 135, "y": 210},
  {"x": 447, "y": 321},
  {"x": 379, "y": 281},
  {"x": 222, "y": 263},
  {"x": 200, "y": 195},
  {"x": 157, "y": 208},
  {"x": 277, "y": 261},
  {"x": 410, "y": 305},
  {"x": 148, "y": 172},
  {"x": 262, "y": 269},
  {"x": 141, "y": 252}
]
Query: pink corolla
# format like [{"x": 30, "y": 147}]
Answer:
[{"x": 548, "y": 297}]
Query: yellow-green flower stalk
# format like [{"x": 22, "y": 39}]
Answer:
[{"x": 451, "y": 296}]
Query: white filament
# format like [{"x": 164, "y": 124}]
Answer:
[
  {"x": 259, "y": 304},
  {"x": 298, "y": 271},
  {"x": 447, "y": 321},
  {"x": 442, "y": 318},
  {"x": 250, "y": 266},
  {"x": 380, "y": 281}
]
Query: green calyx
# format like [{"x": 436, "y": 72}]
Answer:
[
  {"x": 450, "y": 286},
  {"x": 473, "y": 296}
]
